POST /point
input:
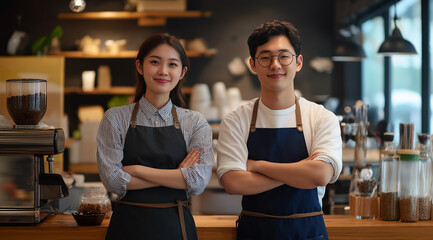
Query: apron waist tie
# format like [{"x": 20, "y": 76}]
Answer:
[
  {"x": 296, "y": 215},
  {"x": 179, "y": 204}
]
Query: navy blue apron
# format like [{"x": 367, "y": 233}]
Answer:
[
  {"x": 284, "y": 212},
  {"x": 153, "y": 213}
]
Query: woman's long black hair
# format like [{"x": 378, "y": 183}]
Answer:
[{"x": 148, "y": 45}]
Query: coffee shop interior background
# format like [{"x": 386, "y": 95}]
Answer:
[
  {"x": 226, "y": 30},
  {"x": 221, "y": 28}
]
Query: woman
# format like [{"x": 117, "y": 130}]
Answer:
[{"x": 154, "y": 153}]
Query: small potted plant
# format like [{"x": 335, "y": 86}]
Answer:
[{"x": 41, "y": 45}]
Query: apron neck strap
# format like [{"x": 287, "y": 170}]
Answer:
[
  {"x": 175, "y": 118},
  {"x": 254, "y": 117},
  {"x": 135, "y": 111},
  {"x": 134, "y": 115},
  {"x": 297, "y": 113}
]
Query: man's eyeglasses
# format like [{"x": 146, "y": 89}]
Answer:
[{"x": 284, "y": 58}]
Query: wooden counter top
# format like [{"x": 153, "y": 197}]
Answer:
[{"x": 63, "y": 227}]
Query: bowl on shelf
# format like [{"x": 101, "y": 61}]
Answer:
[{"x": 88, "y": 218}]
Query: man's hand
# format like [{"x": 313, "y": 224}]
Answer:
[
  {"x": 254, "y": 165},
  {"x": 313, "y": 156},
  {"x": 305, "y": 174}
]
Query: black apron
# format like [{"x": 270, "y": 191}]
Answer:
[
  {"x": 162, "y": 148},
  {"x": 284, "y": 212}
]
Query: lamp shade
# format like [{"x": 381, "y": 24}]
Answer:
[
  {"x": 348, "y": 51},
  {"x": 396, "y": 44}
]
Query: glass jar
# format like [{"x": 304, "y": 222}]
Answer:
[
  {"x": 26, "y": 100},
  {"x": 95, "y": 201},
  {"x": 389, "y": 176},
  {"x": 363, "y": 200},
  {"x": 425, "y": 168},
  {"x": 409, "y": 184}
]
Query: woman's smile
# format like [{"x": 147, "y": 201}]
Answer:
[{"x": 162, "y": 80}]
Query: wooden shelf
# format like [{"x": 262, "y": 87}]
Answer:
[
  {"x": 83, "y": 168},
  {"x": 125, "y": 54},
  {"x": 112, "y": 91},
  {"x": 69, "y": 142},
  {"x": 113, "y": 15},
  {"x": 373, "y": 155},
  {"x": 151, "y": 18},
  {"x": 81, "y": 54}
]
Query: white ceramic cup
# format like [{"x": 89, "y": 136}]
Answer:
[
  {"x": 200, "y": 92},
  {"x": 88, "y": 80},
  {"x": 219, "y": 93},
  {"x": 234, "y": 97}
]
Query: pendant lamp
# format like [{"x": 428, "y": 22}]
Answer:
[
  {"x": 77, "y": 5},
  {"x": 347, "y": 49},
  {"x": 396, "y": 44}
]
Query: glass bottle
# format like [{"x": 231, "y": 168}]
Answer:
[
  {"x": 389, "y": 175},
  {"x": 425, "y": 168},
  {"x": 17, "y": 43},
  {"x": 363, "y": 185}
]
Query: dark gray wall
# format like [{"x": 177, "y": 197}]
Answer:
[{"x": 227, "y": 30}]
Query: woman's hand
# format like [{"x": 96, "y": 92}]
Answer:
[
  {"x": 190, "y": 159},
  {"x": 131, "y": 169}
]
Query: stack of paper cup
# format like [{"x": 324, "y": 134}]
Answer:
[
  {"x": 219, "y": 92},
  {"x": 201, "y": 101},
  {"x": 234, "y": 98},
  {"x": 200, "y": 97}
]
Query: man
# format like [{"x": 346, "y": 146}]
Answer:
[{"x": 279, "y": 151}]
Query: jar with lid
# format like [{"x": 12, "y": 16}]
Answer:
[
  {"x": 409, "y": 184},
  {"x": 389, "y": 176},
  {"x": 95, "y": 201},
  {"x": 425, "y": 168},
  {"x": 409, "y": 174}
]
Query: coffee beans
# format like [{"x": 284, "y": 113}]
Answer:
[
  {"x": 424, "y": 208},
  {"x": 389, "y": 206},
  {"x": 409, "y": 209},
  {"x": 27, "y": 109}
]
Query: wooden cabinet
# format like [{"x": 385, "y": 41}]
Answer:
[{"x": 125, "y": 54}]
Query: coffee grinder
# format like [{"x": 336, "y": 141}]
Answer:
[{"x": 26, "y": 188}]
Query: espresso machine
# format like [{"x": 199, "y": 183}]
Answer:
[{"x": 26, "y": 188}]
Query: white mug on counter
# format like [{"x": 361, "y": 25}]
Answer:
[{"x": 88, "y": 80}]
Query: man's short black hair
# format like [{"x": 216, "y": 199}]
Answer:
[{"x": 273, "y": 28}]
